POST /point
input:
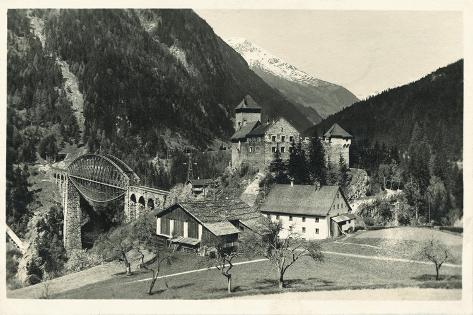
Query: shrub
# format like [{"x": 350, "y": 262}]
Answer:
[{"x": 81, "y": 259}]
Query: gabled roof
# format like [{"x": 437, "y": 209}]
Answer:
[
  {"x": 216, "y": 215},
  {"x": 300, "y": 199},
  {"x": 245, "y": 130},
  {"x": 248, "y": 103},
  {"x": 337, "y": 132},
  {"x": 260, "y": 130}
]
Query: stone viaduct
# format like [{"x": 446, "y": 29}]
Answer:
[{"x": 101, "y": 179}]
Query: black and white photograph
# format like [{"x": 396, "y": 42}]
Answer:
[{"x": 235, "y": 155}]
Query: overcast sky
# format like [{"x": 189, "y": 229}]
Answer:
[{"x": 365, "y": 51}]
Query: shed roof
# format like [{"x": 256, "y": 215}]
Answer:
[
  {"x": 343, "y": 217},
  {"x": 300, "y": 199},
  {"x": 245, "y": 130},
  {"x": 248, "y": 103},
  {"x": 201, "y": 181},
  {"x": 221, "y": 228},
  {"x": 337, "y": 132}
]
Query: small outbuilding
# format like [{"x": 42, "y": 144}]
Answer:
[
  {"x": 200, "y": 187},
  {"x": 310, "y": 211}
]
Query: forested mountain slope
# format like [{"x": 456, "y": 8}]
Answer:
[
  {"x": 435, "y": 102},
  {"x": 154, "y": 74}
]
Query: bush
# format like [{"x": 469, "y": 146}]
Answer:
[{"x": 81, "y": 259}]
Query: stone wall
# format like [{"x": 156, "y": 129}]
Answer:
[
  {"x": 258, "y": 152},
  {"x": 336, "y": 147}
]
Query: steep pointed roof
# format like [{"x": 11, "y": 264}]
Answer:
[
  {"x": 248, "y": 103},
  {"x": 337, "y": 132}
]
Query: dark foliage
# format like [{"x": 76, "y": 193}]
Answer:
[{"x": 434, "y": 102}]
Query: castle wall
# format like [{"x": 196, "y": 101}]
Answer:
[
  {"x": 336, "y": 147},
  {"x": 258, "y": 152}
]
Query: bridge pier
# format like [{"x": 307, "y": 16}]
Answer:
[{"x": 72, "y": 217}]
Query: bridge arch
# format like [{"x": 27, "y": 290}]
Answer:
[
  {"x": 141, "y": 201},
  {"x": 150, "y": 204},
  {"x": 133, "y": 198}
]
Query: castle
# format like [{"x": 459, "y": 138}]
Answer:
[{"x": 255, "y": 143}]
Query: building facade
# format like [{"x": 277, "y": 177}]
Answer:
[
  {"x": 254, "y": 143},
  {"x": 311, "y": 213}
]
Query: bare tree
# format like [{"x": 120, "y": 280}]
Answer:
[
  {"x": 221, "y": 258},
  {"x": 115, "y": 245},
  {"x": 143, "y": 230},
  {"x": 163, "y": 256},
  {"x": 283, "y": 253},
  {"x": 436, "y": 252}
]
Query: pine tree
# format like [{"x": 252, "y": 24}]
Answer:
[
  {"x": 279, "y": 169},
  {"x": 316, "y": 162},
  {"x": 343, "y": 174},
  {"x": 297, "y": 166},
  {"x": 419, "y": 158}
]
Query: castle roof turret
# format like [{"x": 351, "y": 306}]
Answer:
[
  {"x": 248, "y": 103},
  {"x": 337, "y": 132}
]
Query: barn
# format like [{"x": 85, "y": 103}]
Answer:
[{"x": 200, "y": 225}]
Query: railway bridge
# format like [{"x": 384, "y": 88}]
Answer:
[{"x": 101, "y": 179}]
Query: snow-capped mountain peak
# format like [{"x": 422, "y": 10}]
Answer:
[{"x": 258, "y": 57}]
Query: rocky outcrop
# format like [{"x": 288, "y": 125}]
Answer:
[{"x": 359, "y": 184}]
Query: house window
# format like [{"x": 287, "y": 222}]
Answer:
[
  {"x": 316, "y": 220},
  {"x": 283, "y": 138},
  {"x": 316, "y": 231},
  {"x": 290, "y": 149},
  {"x": 303, "y": 229},
  {"x": 273, "y": 138},
  {"x": 277, "y": 217},
  {"x": 283, "y": 149},
  {"x": 273, "y": 149},
  {"x": 303, "y": 219},
  {"x": 290, "y": 218},
  {"x": 290, "y": 228},
  {"x": 251, "y": 149},
  {"x": 291, "y": 138}
]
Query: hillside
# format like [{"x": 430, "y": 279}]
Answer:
[
  {"x": 156, "y": 74},
  {"x": 314, "y": 97},
  {"x": 434, "y": 102}
]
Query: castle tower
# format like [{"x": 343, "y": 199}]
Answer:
[
  {"x": 337, "y": 142},
  {"x": 247, "y": 111}
]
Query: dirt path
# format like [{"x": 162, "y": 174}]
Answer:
[{"x": 364, "y": 294}]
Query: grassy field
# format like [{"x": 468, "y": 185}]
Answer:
[{"x": 335, "y": 273}]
